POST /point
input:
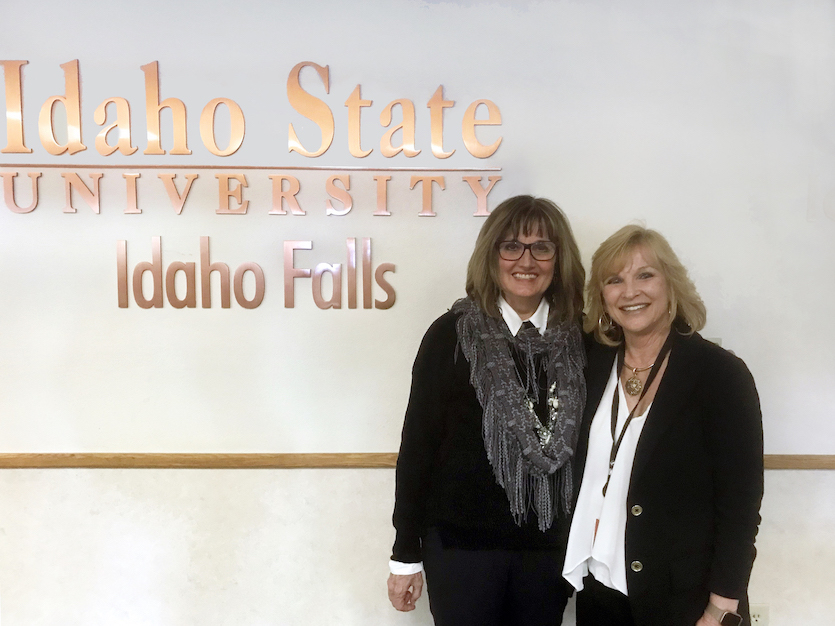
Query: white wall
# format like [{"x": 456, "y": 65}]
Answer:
[
  {"x": 711, "y": 121},
  {"x": 291, "y": 548}
]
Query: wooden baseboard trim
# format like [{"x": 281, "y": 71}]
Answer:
[
  {"x": 799, "y": 461},
  {"x": 289, "y": 461},
  {"x": 197, "y": 461}
]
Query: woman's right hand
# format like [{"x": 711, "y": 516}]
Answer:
[{"x": 404, "y": 591}]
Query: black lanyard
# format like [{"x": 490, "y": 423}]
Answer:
[{"x": 613, "y": 454}]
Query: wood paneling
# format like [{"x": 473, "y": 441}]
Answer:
[{"x": 289, "y": 461}]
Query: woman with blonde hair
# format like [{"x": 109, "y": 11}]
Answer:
[
  {"x": 670, "y": 452},
  {"x": 484, "y": 480}
]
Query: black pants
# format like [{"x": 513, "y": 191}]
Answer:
[
  {"x": 597, "y": 605},
  {"x": 493, "y": 587}
]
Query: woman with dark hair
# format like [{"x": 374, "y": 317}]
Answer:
[
  {"x": 484, "y": 478},
  {"x": 670, "y": 452}
]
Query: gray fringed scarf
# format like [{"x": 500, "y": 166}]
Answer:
[{"x": 530, "y": 459}]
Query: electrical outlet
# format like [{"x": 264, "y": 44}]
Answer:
[{"x": 759, "y": 615}]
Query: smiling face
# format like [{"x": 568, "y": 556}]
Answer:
[
  {"x": 636, "y": 297},
  {"x": 523, "y": 282}
]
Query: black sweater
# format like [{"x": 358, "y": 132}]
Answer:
[
  {"x": 444, "y": 479},
  {"x": 697, "y": 481}
]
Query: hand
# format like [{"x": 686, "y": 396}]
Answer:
[
  {"x": 404, "y": 591},
  {"x": 726, "y": 604},
  {"x": 706, "y": 620}
]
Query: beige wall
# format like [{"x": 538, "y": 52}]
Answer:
[{"x": 290, "y": 548}]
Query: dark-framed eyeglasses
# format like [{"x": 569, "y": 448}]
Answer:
[{"x": 540, "y": 250}]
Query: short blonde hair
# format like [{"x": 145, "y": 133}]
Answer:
[
  {"x": 524, "y": 215},
  {"x": 687, "y": 311}
]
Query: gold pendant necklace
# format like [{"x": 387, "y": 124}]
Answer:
[{"x": 634, "y": 386}]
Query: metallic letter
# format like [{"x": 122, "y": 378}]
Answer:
[
  {"x": 336, "y": 288},
  {"x": 91, "y": 197},
  {"x": 382, "y": 195},
  {"x": 8, "y": 191},
  {"x": 224, "y": 193},
  {"x": 480, "y": 192},
  {"x": 190, "y": 300},
  {"x": 291, "y": 272},
  {"x": 122, "y": 123},
  {"x": 72, "y": 104},
  {"x": 311, "y": 107},
  {"x": 13, "y": 71},
  {"x": 366, "y": 273},
  {"x": 206, "y": 269},
  {"x": 494, "y": 118},
  {"x": 177, "y": 200},
  {"x": 155, "y": 267},
  {"x": 380, "y": 278},
  {"x": 281, "y": 195},
  {"x": 407, "y": 127},
  {"x": 355, "y": 103},
  {"x": 258, "y": 273},
  {"x": 339, "y": 194},
  {"x": 130, "y": 184},
  {"x": 427, "y": 181},
  {"x": 352, "y": 272},
  {"x": 153, "y": 108},
  {"x": 122, "y": 272},
  {"x": 236, "y": 126},
  {"x": 436, "y": 106}
]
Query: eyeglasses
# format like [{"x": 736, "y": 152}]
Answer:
[{"x": 540, "y": 250}]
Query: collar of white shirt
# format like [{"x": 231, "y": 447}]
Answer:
[{"x": 514, "y": 322}]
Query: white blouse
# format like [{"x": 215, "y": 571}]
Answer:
[{"x": 602, "y": 554}]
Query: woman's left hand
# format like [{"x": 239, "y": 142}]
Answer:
[{"x": 726, "y": 604}]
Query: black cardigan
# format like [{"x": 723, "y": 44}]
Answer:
[
  {"x": 697, "y": 480},
  {"x": 444, "y": 479}
]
